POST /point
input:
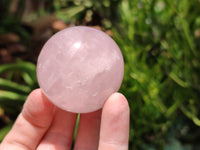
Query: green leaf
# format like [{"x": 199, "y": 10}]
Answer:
[
  {"x": 27, "y": 79},
  {"x": 191, "y": 115},
  {"x": 20, "y": 66},
  {"x": 8, "y": 95},
  {"x": 72, "y": 11},
  {"x": 13, "y": 86},
  {"x": 178, "y": 80}
]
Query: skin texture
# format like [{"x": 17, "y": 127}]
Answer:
[{"x": 41, "y": 125}]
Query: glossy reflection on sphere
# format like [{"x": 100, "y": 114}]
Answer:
[{"x": 79, "y": 68}]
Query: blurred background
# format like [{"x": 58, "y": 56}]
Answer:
[{"x": 160, "y": 42}]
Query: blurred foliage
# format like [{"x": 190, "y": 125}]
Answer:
[
  {"x": 20, "y": 79},
  {"x": 87, "y": 12},
  {"x": 12, "y": 21},
  {"x": 159, "y": 40},
  {"x": 160, "y": 43}
]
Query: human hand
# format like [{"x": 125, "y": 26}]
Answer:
[{"x": 41, "y": 125}]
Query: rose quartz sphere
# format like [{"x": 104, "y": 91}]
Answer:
[{"x": 79, "y": 68}]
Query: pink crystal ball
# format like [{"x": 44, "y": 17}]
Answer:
[{"x": 79, "y": 68}]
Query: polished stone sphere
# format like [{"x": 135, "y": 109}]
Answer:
[{"x": 79, "y": 68}]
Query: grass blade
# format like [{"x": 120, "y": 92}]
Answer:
[{"x": 13, "y": 86}]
